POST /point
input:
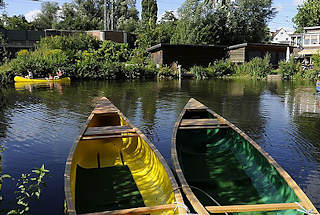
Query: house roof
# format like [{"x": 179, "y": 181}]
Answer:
[
  {"x": 279, "y": 45},
  {"x": 277, "y": 32},
  {"x": 166, "y": 45}
]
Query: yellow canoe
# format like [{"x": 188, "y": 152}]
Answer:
[
  {"x": 113, "y": 167},
  {"x": 22, "y": 79}
]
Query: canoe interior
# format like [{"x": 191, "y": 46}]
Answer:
[
  {"x": 226, "y": 166},
  {"x": 117, "y": 173}
]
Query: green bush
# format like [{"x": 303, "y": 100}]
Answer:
[
  {"x": 40, "y": 62},
  {"x": 69, "y": 44},
  {"x": 167, "y": 72},
  {"x": 116, "y": 52},
  {"x": 255, "y": 68},
  {"x": 289, "y": 69},
  {"x": 199, "y": 72},
  {"x": 316, "y": 61},
  {"x": 221, "y": 68}
]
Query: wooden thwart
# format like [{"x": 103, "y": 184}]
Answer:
[
  {"x": 109, "y": 136},
  {"x": 250, "y": 208},
  {"x": 137, "y": 211},
  {"x": 200, "y": 122},
  {"x": 203, "y": 127},
  {"x": 108, "y": 130}
]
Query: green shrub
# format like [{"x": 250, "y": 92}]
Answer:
[
  {"x": 221, "y": 68},
  {"x": 316, "y": 61},
  {"x": 116, "y": 52},
  {"x": 289, "y": 69},
  {"x": 167, "y": 72},
  {"x": 69, "y": 44},
  {"x": 41, "y": 63},
  {"x": 199, "y": 72},
  {"x": 255, "y": 68}
]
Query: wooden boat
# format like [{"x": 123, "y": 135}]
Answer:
[
  {"x": 22, "y": 79},
  {"x": 112, "y": 168},
  {"x": 222, "y": 170}
]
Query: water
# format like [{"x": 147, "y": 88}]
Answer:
[{"x": 39, "y": 124}]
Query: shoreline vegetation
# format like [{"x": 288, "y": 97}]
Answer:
[{"x": 83, "y": 57}]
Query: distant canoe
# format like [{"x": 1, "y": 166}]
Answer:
[
  {"x": 113, "y": 167},
  {"x": 222, "y": 170},
  {"x": 22, "y": 79},
  {"x": 318, "y": 86}
]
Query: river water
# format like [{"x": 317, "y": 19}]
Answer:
[{"x": 38, "y": 124}]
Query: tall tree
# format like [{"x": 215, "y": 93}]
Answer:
[
  {"x": 126, "y": 15},
  {"x": 308, "y": 15},
  {"x": 229, "y": 22},
  {"x": 82, "y": 15},
  {"x": 15, "y": 23},
  {"x": 48, "y": 17},
  {"x": 149, "y": 12}
]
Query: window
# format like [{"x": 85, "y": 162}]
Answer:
[
  {"x": 287, "y": 39},
  {"x": 307, "y": 40},
  {"x": 314, "y": 39}
]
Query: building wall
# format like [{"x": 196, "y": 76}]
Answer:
[
  {"x": 237, "y": 55},
  {"x": 282, "y": 37},
  {"x": 188, "y": 56}
]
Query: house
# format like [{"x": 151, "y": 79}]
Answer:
[
  {"x": 246, "y": 51},
  {"x": 281, "y": 36},
  {"x": 186, "y": 55},
  {"x": 308, "y": 43}
]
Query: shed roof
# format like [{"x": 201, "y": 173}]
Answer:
[
  {"x": 258, "y": 44},
  {"x": 166, "y": 45}
]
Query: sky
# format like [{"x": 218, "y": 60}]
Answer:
[{"x": 287, "y": 9}]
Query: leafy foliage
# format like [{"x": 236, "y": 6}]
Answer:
[
  {"x": 29, "y": 189},
  {"x": 149, "y": 12},
  {"x": 15, "y": 23},
  {"x": 221, "y": 68},
  {"x": 289, "y": 69},
  {"x": 308, "y": 15},
  {"x": 48, "y": 17},
  {"x": 229, "y": 22}
]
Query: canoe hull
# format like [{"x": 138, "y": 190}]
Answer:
[
  {"x": 218, "y": 164},
  {"x": 113, "y": 167},
  {"x": 22, "y": 79}
]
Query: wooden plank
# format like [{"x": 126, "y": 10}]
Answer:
[
  {"x": 93, "y": 131},
  {"x": 105, "y": 106},
  {"x": 194, "y": 104},
  {"x": 203, "y": 127},
  {"x": 108, "y": 137},
  {"x": 200, "y": 122},
  {"x": 250, "y": 208},
  {"x": 137, "y": 211}
]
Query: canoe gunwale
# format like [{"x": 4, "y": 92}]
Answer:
[
  {"x": 305, "y": 202},
  {"x": 70, "y": 206}
]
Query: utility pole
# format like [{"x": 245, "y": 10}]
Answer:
[
  {"x": 105, "y": 15},
  {"x": 112, "y": 3}
]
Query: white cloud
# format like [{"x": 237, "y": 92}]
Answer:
[
  {"x": 298, "y": 2},
  {"x": 279, "y": 7},
  {"x": 31, "y": 15}
]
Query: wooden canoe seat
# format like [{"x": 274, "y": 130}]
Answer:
[
  {"x": 251, "y": 208},
  {"x": 108, "y": 130},
  {"x": 108, "y": 137},
  {"x": 201, "y": 122}
]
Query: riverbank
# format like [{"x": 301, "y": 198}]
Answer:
[{"x": 86, "y": 58}]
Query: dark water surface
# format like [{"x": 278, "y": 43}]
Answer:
[{"x": 39, "y": 124}]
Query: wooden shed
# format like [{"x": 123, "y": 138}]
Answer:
[
  {"x": 186, "y": 55},
  {"x": 246, "y": 51}
]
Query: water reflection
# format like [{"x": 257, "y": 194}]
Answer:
[{"x": 40, "y": 126}]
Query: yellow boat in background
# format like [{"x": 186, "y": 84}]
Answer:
[
  {"x": 112, "y": 168},
  {"x": 22, "y": 79}
]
